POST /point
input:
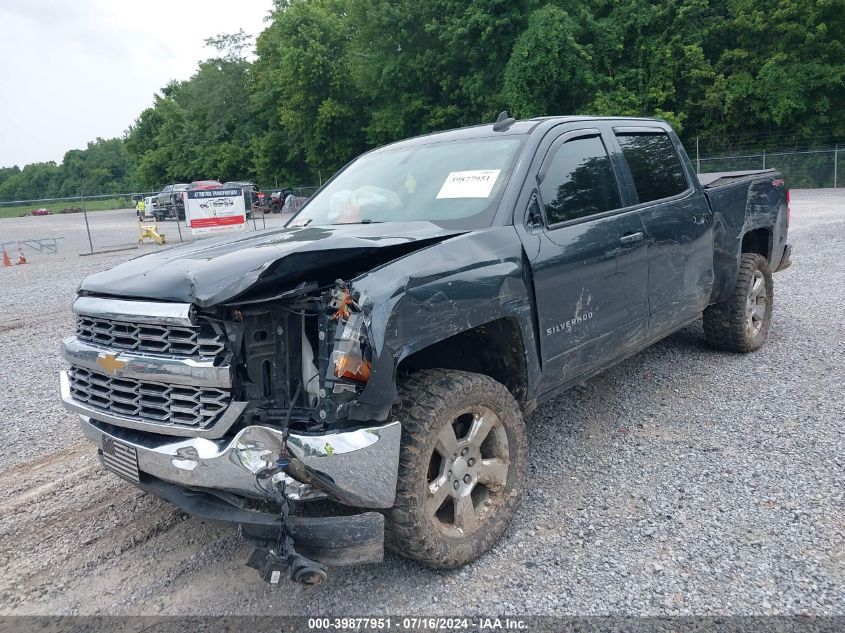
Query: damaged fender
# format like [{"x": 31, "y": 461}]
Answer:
[{"x": 431, "y": 295}]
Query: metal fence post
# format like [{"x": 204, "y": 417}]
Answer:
[
  {"x": 835, "y": 161},
  {"x": 697, "y": 157},
  {"x": 251, "y": 210},
  {"x": 85, "y": 215},
  {"x": 764, "y": 158}
]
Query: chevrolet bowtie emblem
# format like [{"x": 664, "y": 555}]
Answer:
[{"x": 110, "y": 363}]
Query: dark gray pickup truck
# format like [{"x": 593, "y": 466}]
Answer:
[{"x": 360, "y": 376}]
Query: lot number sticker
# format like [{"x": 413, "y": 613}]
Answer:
[{"x": 469, "y": 184}]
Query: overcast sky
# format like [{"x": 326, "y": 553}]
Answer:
[{"x": 71, "y": 71}]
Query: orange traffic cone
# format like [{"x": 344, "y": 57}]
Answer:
[
  {"x": 6, "y": 261},
  {"x": 21, "y": 258}
]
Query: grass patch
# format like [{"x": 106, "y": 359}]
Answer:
[{"x": 56, "y": 207}]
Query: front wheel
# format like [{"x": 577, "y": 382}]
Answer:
[
  {"x": 461, "y": 469},
  {"x": 741, "y": 323}
]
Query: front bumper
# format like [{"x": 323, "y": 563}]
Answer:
[
  {"x": 197, "y": 475},
  {"x": 357, "y": 468}
]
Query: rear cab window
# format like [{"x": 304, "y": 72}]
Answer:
[{"x": 654, "y": 165}]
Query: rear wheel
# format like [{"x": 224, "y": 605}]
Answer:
[
  {"x": 741, "y": 323},
  {"x": 461, "y": 467}
]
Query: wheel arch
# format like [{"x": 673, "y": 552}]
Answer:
[
  {"x": 758, "y": 240},
  {"x": 495, "y": 349}
]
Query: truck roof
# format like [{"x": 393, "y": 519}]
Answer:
[{"x": 517, "y": 128}]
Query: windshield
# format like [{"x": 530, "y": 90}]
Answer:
[{"x": 454, "y": 184}]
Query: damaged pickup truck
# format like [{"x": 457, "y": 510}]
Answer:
[{"x": 360, "y": 376}]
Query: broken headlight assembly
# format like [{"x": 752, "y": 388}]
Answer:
[{"x": 351, "y": 357}]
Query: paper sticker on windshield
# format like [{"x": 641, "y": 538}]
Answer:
[{"x": 469, "y": 184}]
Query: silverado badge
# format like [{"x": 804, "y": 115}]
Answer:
[{"x": 110, "y": 363}]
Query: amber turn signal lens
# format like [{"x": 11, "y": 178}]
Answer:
[{"x": 351, "y": 368}]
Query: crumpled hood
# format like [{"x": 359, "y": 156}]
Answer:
[{"x": 211, "y": 271}]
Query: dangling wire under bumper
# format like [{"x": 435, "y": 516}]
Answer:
[{"x": 317, "y": 541}]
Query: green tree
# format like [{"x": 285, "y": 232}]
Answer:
[
  {"x": 302, "y": 92},
  {"x": 548, "y": 70},
  {"x": 332, "y": 78},
  {"x": 198, "y": 128}
]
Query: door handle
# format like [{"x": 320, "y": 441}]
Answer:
[{"x": 631, "y": 238}]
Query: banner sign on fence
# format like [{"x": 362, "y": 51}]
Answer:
[{"x": 214, "y": 210}]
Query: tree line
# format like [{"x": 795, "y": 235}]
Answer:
[{"x": 333, "y": 78}]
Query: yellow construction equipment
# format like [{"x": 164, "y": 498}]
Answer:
[{"x": 149, "y": 230}]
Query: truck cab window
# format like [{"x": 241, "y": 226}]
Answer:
[
  {"x": 654, "y": 165},
  {"x": 579, "y": 181}
]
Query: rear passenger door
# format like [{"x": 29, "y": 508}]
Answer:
[
  {"x": 678, "y": 225},
  {"x": 589, "y": 263}
]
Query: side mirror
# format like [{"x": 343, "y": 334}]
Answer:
[{"x": 533, "y": 215}]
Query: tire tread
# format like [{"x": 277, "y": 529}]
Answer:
[
  {"x": 724, "y": 322},
  {"x": 423, "y": 397}
]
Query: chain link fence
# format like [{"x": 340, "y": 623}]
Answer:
[
  {"x": 88, "y": 224},
  {"x": 805, "y": 169},
  {"x": 802, "y": 168}
]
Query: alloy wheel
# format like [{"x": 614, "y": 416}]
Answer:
[
  {"x": 467, "y": 471},
  {"x": 755, "y": 309}
]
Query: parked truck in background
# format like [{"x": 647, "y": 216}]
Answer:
[
  {"x": 376, "y": 356},
  {"x": 250, "y": 193},
  {"x": 169, "y": 202}
]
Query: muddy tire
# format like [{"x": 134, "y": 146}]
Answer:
[
  {"x": 461, "y": 467},
  {"x": 741, "y": 323}
]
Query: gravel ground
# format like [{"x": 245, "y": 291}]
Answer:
[{"x": 682, "y": 481}]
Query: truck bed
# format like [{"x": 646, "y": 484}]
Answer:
[
  {"x": 720, "y": 178},
  {"x": 744, "y": 201}
]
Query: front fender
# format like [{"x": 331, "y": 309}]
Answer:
[{"x": 436, "y": 293}]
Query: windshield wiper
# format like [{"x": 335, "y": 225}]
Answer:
[{"x": 364, "y": 221}]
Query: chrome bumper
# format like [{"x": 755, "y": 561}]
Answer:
[{"x": 358, "y": 467}]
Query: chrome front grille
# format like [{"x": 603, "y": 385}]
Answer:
[
  {"x": 148, "y": 401},
  {"x": 204, "y": 341}
]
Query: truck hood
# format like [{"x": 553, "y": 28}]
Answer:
[{"x": 213, "y": 271}]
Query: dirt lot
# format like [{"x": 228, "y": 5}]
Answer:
[{"x": 683, "y": 481}]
